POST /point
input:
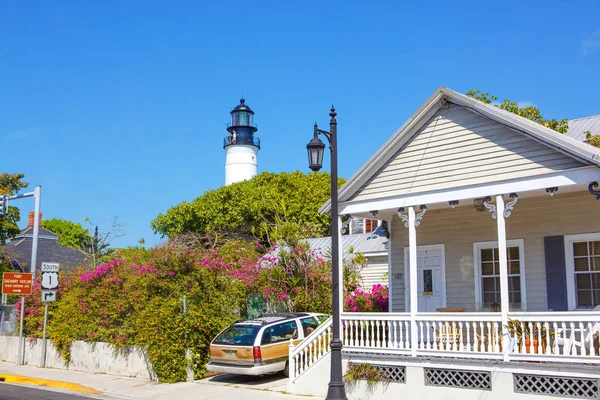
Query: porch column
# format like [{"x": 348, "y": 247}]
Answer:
[
  {"x": 412, "y": 256},
  {"x": 504, "y": 299},
  {"x": 389, "y": 257},
  {"x": 341, "y": 275}
]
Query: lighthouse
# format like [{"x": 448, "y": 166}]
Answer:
[{"x": 241, "y": 146}]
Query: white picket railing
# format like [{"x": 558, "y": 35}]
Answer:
[
  {"x": 376, "y": 332},
  {"x": 571, "y": 336},
  {"x": 313, "y": 348},
  {"x": 536, "y": 336},
  {"x": 471, "y": 334}
]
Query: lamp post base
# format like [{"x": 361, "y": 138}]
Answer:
[{"x": 336, "y": 390}]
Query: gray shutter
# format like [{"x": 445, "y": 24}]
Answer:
[{"x": 556, "y": 273}]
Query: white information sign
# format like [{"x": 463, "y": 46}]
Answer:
[
  {"x": 50, "y": 267},
  {"x": 49, "y": 277},
  {"x": 48, "y": 296}
]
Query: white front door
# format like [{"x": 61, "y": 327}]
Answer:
[{"x": 431, "y": 285}]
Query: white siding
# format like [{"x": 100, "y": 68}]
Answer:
[
  {"x": 373, "y": 273},
  {"x": 532, "y": 220},
  {"x": 456, "y": 148}
]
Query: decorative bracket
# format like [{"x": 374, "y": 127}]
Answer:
[
  {"x": 511, "y": 205},
  {"x": 552, "y": 191},
  {"x": 346, "y": 224},
  {"x": 491, "y": 208},
  {"x": 594, "y": 192},
  {"x": 453, "y": 203},
  {"x": 403, "y": 216},
  {"x": 420, "y": 215}
]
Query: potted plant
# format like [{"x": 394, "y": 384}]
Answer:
[{"x": 528, "y": 335}]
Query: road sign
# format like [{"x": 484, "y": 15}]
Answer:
[
  {"x": 16, "y": 283},
  {"x": 50, "y": 267},
  {"x": 48, "y": 296},
  {"x": 50, "y": 275}
]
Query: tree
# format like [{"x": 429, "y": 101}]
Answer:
[
  {"x": 10, "y": 184},
  {"x": 70, "y": 234},
  {"x": 531, "y": 113},
  {"x": 594, "y": 140},
  {"x": 241, "y": 208},
  {"x": 89, "y": 241}
]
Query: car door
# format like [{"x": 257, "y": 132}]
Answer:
[{"x": 276, "y": 341}]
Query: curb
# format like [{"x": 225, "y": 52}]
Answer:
[{"x": 25, "y": 380}]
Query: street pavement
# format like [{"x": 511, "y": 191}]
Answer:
[
  {"x": 226, "y": 386},
  {"x": 9, "y": 391}
]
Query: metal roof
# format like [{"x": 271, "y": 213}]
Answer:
[
  {"x": 366, "y": 243},
  {"x": 578, "y": 127}
]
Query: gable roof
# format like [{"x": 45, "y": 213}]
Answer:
[
  {"x": 578, "y": 127},
  {"x": 582, "y": 152},
  {"x": 18, "y": 251}
]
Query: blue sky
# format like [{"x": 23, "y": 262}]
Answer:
[{"x": 118, "y": 108}]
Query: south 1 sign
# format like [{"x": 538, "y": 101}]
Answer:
[{"x": 49, "y": 281}]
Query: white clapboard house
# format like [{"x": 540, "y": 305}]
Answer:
[{"x": 494, "y": 277}]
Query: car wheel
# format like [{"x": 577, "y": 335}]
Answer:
[{"x": 286, "y": 370}]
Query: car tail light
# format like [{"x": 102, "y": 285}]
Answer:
[{"x": 257, "y": 355}]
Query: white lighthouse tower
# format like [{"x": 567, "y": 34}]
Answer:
[{"x": 241, "y": 146}]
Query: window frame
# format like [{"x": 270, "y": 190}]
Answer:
[
  {"x": 477, "y": 247},
  {"x": 570, "y": 266}
]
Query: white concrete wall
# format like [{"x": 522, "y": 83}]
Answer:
[
  {"x": 85, "y": 357},
  {"x": 314, "y": 381}
]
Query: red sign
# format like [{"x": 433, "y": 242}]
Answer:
[{"x": 17, "y": 283}]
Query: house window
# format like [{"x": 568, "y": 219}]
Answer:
[
  {"x": 583, "y": 270},
  {"x": 371, "y": 225},
  {"x": 487, "y": 274}
]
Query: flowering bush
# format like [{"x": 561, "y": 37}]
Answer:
[
  {"x": 136, "y": 299},
  {"x": 374, "y": 300}
]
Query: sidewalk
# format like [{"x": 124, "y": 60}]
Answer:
[{"x": 116, "y": 387}]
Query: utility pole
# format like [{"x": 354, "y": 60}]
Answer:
[{"x": 36, "y": 194}]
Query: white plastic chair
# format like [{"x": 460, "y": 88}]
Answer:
[{"x": 577, "y": 341}]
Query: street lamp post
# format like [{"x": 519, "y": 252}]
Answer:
[{"x": 315, "y": 149}]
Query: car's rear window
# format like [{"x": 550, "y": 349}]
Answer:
[{"x": 238, "y": 335}]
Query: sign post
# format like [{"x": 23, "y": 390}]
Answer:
[
  {"x": 20, "y": 284},
  {"x": 49, "y": 286}
]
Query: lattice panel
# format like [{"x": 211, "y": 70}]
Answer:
[
  {"x": 392, "y": 373},
  {"x": 458, "y": 379},
  {"x": 579, "y": 388}
]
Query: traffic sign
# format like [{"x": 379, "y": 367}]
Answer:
[
  {"x": 48, "y": 296},
  {"x": 17, "y": 283},
  {"x": 50, "y": 267},
  {"x": 50, "y": 275}
]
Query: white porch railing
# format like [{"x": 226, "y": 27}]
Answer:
[
  {"x": 462, "y": 334},
  {"x": 541, "y": 336},
  {"x": 559, "y": 336},
  {"x": 377, "y": 332},
  {"x": 313, "y": 348}
]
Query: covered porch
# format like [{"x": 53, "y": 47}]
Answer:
[{"x": 507, "y": 277}]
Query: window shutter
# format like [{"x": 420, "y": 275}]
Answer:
[{"x": 556, "y": 274}]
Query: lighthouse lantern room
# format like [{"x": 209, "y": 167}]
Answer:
[{"x": 241, "y": 146}]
